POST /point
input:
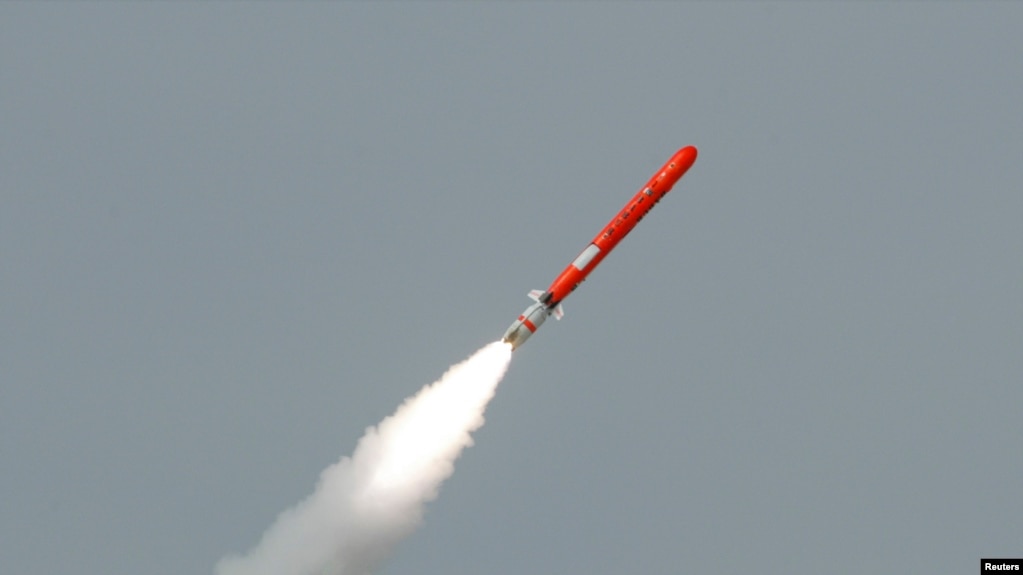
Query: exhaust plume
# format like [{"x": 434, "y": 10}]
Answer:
[{"x": 364, "y": 504}]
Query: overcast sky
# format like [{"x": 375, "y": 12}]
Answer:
[{"x": 233, "y": 236}]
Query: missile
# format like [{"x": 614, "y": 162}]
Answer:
[{"x": 548, "y": 303}]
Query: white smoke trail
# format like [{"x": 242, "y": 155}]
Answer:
[{"x": 365, "y": 504}]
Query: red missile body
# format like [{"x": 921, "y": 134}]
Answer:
[{"x": 548, "y": 302}]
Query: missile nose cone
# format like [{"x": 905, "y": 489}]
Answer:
[{"x": 686, "y": 157}]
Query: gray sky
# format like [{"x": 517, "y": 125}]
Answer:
[{"x": 234, "y": 236}]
